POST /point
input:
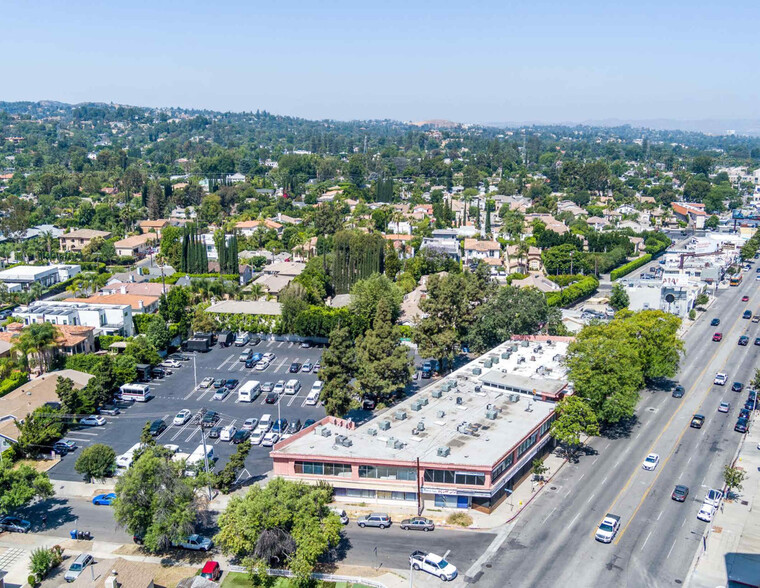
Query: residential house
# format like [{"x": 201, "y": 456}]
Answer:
[
  {"x": 571, "y": 207},
  {"x": 475, "y": 250},
  {"x": 236, "y": 178},
  {"x": 402, "y": 244},
  {"x": 692, "y": 213},
  {"x": 248, "y": 228},
  {"x": 22, "y": 401},
  {"x": 208, "y": 240},
  {"x": 72, "y": 339},
  {"x": 305, "y": 251},
  {"x": 119, "y": 573},
  {"x": 21, "y": 277},
  {"x": 287, "y": 220},
  {"x": 80, "y": 238},
  {"x": 245, "y": 271},
  {"x": 154, "y": 226},
  {"x": 529, "y": 262},
  {"x": 538, "y": 281},
  {"x": 597, "y": 223},
  {"x": 138, "y": 303},
  {"x": 399, "y": 228},
  {"x": 136, "y": 288},
  {"x": 443, "y": 246},
  {"x": 107, "y": 319},
  {"x": 136, "y": 246},
  {"x": 276, "y": 276}
]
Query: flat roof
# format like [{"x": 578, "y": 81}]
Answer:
[
  {"x": 265, "y": 307},
  {"x": 26, "y": 272},
  {"x": 458, "y": 419}
]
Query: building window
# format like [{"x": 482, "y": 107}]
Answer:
[
  {"x": 387, "y": 473},
  {"x": 445, "y": 501},
  {"x": 317, "y": 468},
  {"x": 449, "y": 477},
  {"x": 502, "y": 467},
  {"x": 527, "y": 444},
  {"x": 545, "y": 427}
]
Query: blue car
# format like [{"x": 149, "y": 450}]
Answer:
[{"x": 104, "y": 499}]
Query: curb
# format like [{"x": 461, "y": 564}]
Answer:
[{"x": 532, "y": 496}]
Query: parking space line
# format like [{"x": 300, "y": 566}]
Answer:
[
  {"x": 166, "y": 430},
  {"x": 193, "y": 391},
  {"x": 281, "y": 344},
  {"x": 195, "y": 430},
  {"x": 182, "y": 428},
  {"x": 282, "y": 363},
  {"x": 221, "y": 365},
  {"x": 87, "y": 433}
]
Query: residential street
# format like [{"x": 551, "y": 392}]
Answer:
[{"x": 552, "y": 542}]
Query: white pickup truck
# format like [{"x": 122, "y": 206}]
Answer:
[{"x": 608, "y": 528}]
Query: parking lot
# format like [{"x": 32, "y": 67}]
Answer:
[{"x": 181, "y": 389}]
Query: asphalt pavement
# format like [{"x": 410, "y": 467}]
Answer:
[{"x": 552, "y": 544}]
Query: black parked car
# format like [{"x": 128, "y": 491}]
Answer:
[
  {"x": 294, "y": 426},
  {"x": 737, "y": 387},
  {"x": 158, "y": 373},
  {"x": 157, "y": 427},
  {"x": 272, "y": 398},
  {"x": 241, "y": 436},
  {"x": 214, "y": 432},
  {"x": 741, "y": 426},
  {"x": 209, "y": 419},
  {"x": 232, "y": 384},
  {"x": 308, "y": 423},
  {"x": 295, "y": 367}
]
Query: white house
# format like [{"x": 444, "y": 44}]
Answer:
[
  {"x": 475, "y": 250},
  {"x": 107, "y": 319}
]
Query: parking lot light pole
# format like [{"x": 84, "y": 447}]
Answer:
[
  {"x": 411, "y": 573},
  {"x": 195, "y": 371},
  {"x": 205, "y": 459}
]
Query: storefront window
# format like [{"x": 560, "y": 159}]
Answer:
[
  {"x": 317, "y": 468},
  {"x": 387, "y": 473},
  {"x": 449, "y": 477}
]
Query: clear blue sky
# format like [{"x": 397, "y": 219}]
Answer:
[{"x": 469, "y": 61}]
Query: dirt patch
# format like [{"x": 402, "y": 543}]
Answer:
[
  {"x": 169, "y": 577},
  {"x": 42, "y": 465},
  {"x": 128, "y": 549},
  {"x": 359, "y": 571}
]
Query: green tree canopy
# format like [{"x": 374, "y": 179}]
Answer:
[
  {"x": 20, "y": 484},
  {"x": 619, "y": 298},
  {"x": 97, "y": 461},
  {"x": 366, "y": 295}
]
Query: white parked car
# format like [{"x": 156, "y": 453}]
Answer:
[
  {"x": 651, "y": 461},
  {"x": 713, "y": 497},
  {"x": 171, "y": 448},
  {"x": 706, "y": 513},
  {"x": 207, "y": 382},
  {"x": 262, "y": 365},
  {"x": 269, "y": 356},
  {"x": 433, "y": 564},
  {"x": 171, "y": 363},
  {"x": 270, "y": 439},
  {"x": 720, "y": 379},
  {"x": 257, "y": 437},
  {"x": 182, "y": 417},
  {"x": 93, "y": 421},
  {"x": 227, "y": 433},
  {"x": 279, "y": 387},
  {"x": 250, "y": 424},
  {"x": 317, "y": 386}
]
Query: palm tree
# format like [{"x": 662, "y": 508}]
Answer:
[
  {"x": 255, "y": 291},
  {"x": 38, "y": 339}
]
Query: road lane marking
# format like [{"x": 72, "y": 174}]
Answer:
[
  {"x": 645, "y": 540},
  {"x": 595, "y": 460},
  {"x": 689, "y": 461},
  {"x": 549, "y": 515},
  {"x": 671, "y": 549},
  {"x": 575, "y": 519},
  {"x": 659, "y": 515},
  {"x": 590, "y": 498},
  {"x": 605, "y": 479},
  {"x": 684, "y": 522},
  {"x": 583, "y": 474}
]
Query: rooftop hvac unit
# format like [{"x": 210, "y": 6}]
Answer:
[
  {"x": 420, "y": 426},
  {"x": 505, "y": 354},
  {"x": 440, "y": 414},
  {"x": 520, "y": 360},
  {"x": 491, "y": 414},
  {"x": 459, "y": 400},
  {"x": 322, "y": 431},
  {"x": 514, "y": 398},
  {"x": 338, "y": 440},
  {"x": 391, "y": 442},
  {"x": 384, "y": 425},
  {"x": 443, "y": 451},
  {"x": 399, "y": 444},
  {"x": 558, "y": 357},
  {"x": 437, "y": 393},
  {"x": 524, "y": 343},
  {"x": 452, "y": 384},
  {"x": 549, "y": 342},
  {"x": 478, "y": 387},
  {"x": 476, "y": 371},
  {"x": 487, "y": 364},
  {"x": 539, "y": 348},
  {"x": 494, "y": 358},
  {"x": 346, "y": 442},
  {"x": 416, "y": 405},
  {"x": 372, "y": 432},
  {"x": 400, "y": 415},
  {"x": 424, "y": 401},
  {"x": 540, "y": 370}
]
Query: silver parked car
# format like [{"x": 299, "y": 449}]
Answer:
[{"x": 375, "y": 520}]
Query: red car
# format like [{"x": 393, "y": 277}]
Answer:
[
  {"x": 745, "y": 298},
  {"x": 211, "y": 571},
  {"x": 718, "y": 337}
]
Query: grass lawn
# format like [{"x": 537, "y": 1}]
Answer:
[{"x": 238, "y": 580}]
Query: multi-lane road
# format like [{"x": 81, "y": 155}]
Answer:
[{"x": 552, "y": 544}]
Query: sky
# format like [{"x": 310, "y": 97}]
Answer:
[{"x": 466, "y": 61}]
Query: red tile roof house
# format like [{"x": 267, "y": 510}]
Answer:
[{"x": 136, "y": 246}]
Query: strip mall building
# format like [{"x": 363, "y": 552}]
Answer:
[{"x": 462, "y": 442}]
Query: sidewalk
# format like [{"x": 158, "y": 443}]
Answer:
[{"x": 730, "y": 550}]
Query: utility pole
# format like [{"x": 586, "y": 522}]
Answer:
[
  {"x": 195, "y": 371},
  {"x": 205, "y": 458}
]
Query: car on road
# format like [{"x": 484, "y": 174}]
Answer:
[
  {"x": 433, "y": 564},
  {"x": 207, "y": 383},
  {"x": 77, "y": 567},
  {"x": 651, "y": 461},
  {"x": 94, "y": 420},
  {"x": 15, "y": 525},
  {"x": 376, "y": 519},
  {"x": 745, "y": 298},
  {"x": 250, "y": 424},
  {"x": 715, "y": 322},
  {"x": 417, "y": 524},
  {"x": 257, "y": 437},
  {"x": 678, "y": 391},
  {"x": 737, "y": 387},
  {"x": 270, "y": 439},
  {"x": 744, "y": 340},
  {"x": 267, "y": 387},
  {"x": 227, "y": 433},
  {"x": 294, "y": 368},
  {"x": 280, "y": 425},
  {"x": 757, "y": 340},
  {"x": 104, "y": 499},
  {"x": 211, "y": 571},
  {"x": 680, "y": 492},
  {"x": 196, "y": 543},
  {"x": 720, "y": 379},
  {"x": 157, "y": 427},
  {"x": 279, "y": 387},
  {"x": 608, "y": 528},
  {"x": 241, "y": 436},
  {"x": 741, "y": 425},
  {"x": 706, "y": 513},
  {"x": 64, "y": 446},
  {"x": 713, "y": 497},
  {"x": 307, "y": 367},
  {"x": 756, "y": 318},
  {"x": 272, "y": 398},
  {"x": 724, "y": 407},
  {"x": 209, "y": 419},
  {"x": 171, "y": 364},
  {"x": 718, "y": 337},
  {"x": 747, "y": 314},
  {"x": 697, "y": 421},
  {"x": 182, "y": 417},
  {"x": 215, "y": 432},
  {"x": 219, "y": 383}
]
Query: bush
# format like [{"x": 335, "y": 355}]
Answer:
[
  {"x": 564, "y": 280},
  {"x": 176, "y": 276},
  {"x": 41, "y": 562},
  {"x": 626, "y": 269},
  {"x": 574, "y": 292},
  {"x": 97, "y": 461},
  {"x": 692, "y": 314},
  {"x": 13, "y": 381},
  {"x": 461, "y": 519}
]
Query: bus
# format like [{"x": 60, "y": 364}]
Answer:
[
  {"x": 249, "y": 391},
  {"x": 136, "y": 392},
  {"x": 735, "y": 280},
  {"x": 124, "y": 461}
]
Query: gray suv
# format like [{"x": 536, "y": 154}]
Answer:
[
  {"x": 76, "y": 568},
  {"x": 374, "y": 520}
]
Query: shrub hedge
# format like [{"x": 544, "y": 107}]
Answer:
[
  {"x": 626, "y": 269},
  {"x": 574, "y": 292}
]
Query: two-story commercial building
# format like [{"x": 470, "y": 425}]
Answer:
[
  {"x": 463, "y": 442},
  {"x": 107, "y": 319}
]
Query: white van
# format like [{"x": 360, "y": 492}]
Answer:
[
  {"x": 249, "y": 391},
  {"x": 312, "y": 398},
  {"x": 227, "y": 433},
  {"x": 242, "y": 339},
  {"x": 265, "y": 423},
  {"x": 292, "y": 386},
  {"x": 125, "y": 459},
  {"x": 196, "y": 459}
]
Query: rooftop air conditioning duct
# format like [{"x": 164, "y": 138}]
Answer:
[
  {"x": 384, "y": 425},
  {"x": 443, "y": 451}
]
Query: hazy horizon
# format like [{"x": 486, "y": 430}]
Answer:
[{"x": 497, "y": 61}]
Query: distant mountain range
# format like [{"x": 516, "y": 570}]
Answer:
[{"x": 711, "y": 126}]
